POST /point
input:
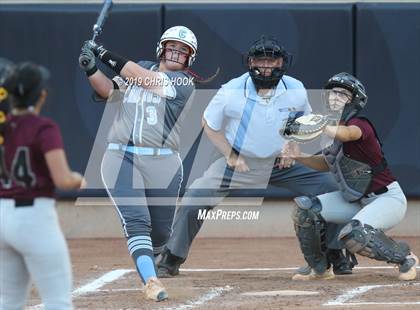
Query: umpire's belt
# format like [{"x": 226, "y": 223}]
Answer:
[{"x": 140, "y": 150}]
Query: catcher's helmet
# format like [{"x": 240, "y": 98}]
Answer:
[
  {"x": 352, "y": 84},
  {"x": 31, "y": 79},
  {"x": 180, "y": 34},
  {"x": 267, "y": 47}
]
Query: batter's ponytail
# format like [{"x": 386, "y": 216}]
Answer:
[{"x": 200, "y": 80}]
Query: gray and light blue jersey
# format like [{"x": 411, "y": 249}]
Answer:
[
  {"x": 146, "y": 119},
  {"x": 249, "y": 120}
]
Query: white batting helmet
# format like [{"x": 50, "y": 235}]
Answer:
[{"x": 181, "y": 34}]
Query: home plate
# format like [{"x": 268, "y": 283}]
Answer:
[{"x": 281, "y": 293}]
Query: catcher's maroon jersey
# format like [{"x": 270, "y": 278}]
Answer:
[
  {"x": 23, "y": 169},
  {"x": 367, "y": 149}
]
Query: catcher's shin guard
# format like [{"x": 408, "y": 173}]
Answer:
[
  {"x": 368, "y": 241},
  {"x": 310, "y": 230}
]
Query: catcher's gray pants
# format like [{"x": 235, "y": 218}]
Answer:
[
  {"x": 382, "y": 211},
  {"x": 33, "y": 246},
  {"x": 217, "y": 182}
]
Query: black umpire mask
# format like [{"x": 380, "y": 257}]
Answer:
[{"x": 267, "y": 48}]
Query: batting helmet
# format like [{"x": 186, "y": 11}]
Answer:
[{"x": 180, "y": 34}]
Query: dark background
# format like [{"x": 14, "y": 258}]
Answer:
[{"x": 380, "y": 43}]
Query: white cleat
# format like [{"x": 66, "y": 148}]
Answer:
[
  {"x": 155, "y": 290},
  {"x": 408, "y": 270},
  {"x": 312, "y": 275}
]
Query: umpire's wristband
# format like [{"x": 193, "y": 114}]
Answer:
[{"x": 114, "y": 61}]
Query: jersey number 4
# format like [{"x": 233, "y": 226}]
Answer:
[{"x": 21, "y": 171}]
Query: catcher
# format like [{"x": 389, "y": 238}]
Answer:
[{"x": 370, "y": 199}]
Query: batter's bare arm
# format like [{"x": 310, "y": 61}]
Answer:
[{"x": 102, "y": 85}]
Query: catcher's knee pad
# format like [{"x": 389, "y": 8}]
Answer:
[
  {"x": 368, "y": 241},
  {"x": 310, "y": 230}
]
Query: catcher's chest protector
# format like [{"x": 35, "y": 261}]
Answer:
[{"x": 353, "y": 177}]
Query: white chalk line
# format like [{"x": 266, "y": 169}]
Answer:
[
  {"x": 94, "y": 285},
  {"x": 211, "y": 294},
  {"x": 272, "y": 269},
  {"x": 350, "y": 294},
  {"x": 113, "y": 275}
]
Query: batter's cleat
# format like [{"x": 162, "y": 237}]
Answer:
[
  {"x": 155, "y": 290},
  {"x": 309, "y": 274},
  {"x": 408, "y": 269},
  {"x": 168, "y": 265}
]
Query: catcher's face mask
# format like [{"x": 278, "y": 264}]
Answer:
[{"x": 338, "y": 97}]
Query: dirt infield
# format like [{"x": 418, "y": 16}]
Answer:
[{"x": 219, "y": 271}]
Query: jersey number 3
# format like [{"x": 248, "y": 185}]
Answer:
[
  {"x": 151, "y": 115},
  {"x": 21, "y": 171}
]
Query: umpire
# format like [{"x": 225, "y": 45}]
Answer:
[{"x": 243, "y": 121}]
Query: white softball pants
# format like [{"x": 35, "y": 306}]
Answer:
[{"x": 33, "y": 246}]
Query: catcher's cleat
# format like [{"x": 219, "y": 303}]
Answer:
[
  {"x": 155, "y": 290},
  {"x": 168, "y": 264},
  {"x": 309, "y": 274},
  {"x": 408, "y": 269},
  {"x": 342, "y": 264}
]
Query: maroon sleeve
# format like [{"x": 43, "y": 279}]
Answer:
[
  {"x": 364, "y": 126},
  {"x": 49, "y": 137}
]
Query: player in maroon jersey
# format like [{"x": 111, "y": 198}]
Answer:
[
  {"x": 32, "y": 164},
  {"x": 370, "y": 199}
]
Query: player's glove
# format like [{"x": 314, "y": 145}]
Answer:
[
  {"x": 305, "y": 128},
  {"x": 112, "y": 60},
  {"x": 98, "y": 50},
  {"x": 87, "y": 60}
]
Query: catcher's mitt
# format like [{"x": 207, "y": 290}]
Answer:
[{"x": 305, "y": 128}]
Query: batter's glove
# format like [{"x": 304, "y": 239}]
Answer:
[
  {"x": 98, "y": 50},
  {"x": 87, "y": 60},
  {"x": 305, "y": 128}
]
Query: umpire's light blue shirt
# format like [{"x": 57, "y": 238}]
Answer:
[{"x": 262, "y": 118}]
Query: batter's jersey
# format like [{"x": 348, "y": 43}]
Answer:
[
  {"x": 251, "y": 123},
  {"x": 24, "y": 173},
  {"x": 146, "y": 119}
]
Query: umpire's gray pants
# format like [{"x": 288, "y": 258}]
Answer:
[
  {"x": 217, "y": 182},
  {"x": 33, "y": 246}
]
